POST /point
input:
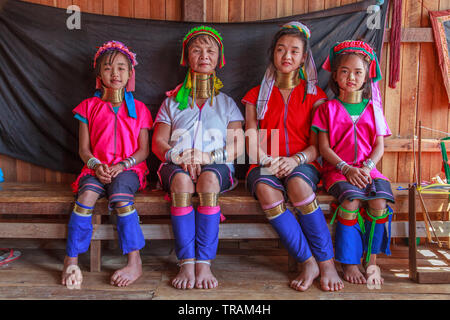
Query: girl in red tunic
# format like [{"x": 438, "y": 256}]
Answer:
[{"x": 278, "y": 122}]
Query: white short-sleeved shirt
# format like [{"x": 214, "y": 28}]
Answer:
[{"x": 203, "y": 128}]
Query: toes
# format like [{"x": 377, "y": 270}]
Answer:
[
  {"x": 327, "y": 287},
  {"x": 301, "y": 285},
  {"x": 295, "y": 284},
  {"x": 114, "y": 278}
]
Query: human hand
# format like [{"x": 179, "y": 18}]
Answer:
[
  {"x": 286, "y": 165},
  {"x": 195, "y": 156},
  {"x": 115, "y": 170},
  {"x": 194, "y": 170},
  {"x": 273, "y": 166},
  {"x": 366, "y": 171},
  {"x": 102, "y": 171},
  {"x": 358, "y": 177}
]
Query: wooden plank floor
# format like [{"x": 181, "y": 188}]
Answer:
[{"x": 245, "y": 270}]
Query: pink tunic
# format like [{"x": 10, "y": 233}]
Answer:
[
  {"x": 114, "y": 137},
  {"x": 352, "y": 142}
]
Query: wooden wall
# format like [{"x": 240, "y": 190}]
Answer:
[{"x": 420, "y": 94}]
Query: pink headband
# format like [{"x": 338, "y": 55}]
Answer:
[{"x": 118, "y": 46}]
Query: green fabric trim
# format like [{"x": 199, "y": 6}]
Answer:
[
  {"x": 360, "y": 219},
  {"x": 317, "y": 129},
  {"x": 372, "y": 231},
  {"x": 355, "y": 109},
  {"x": 182, "y": 96}
]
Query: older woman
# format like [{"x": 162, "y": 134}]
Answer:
[{"x": 198, "y": 134}]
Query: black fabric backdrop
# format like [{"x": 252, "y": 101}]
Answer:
[{"x": 46, "y": 69}]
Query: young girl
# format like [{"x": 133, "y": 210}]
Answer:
[
  {"x": 194, "y": 138},
  {"x": 351, "y": 140},
  {"x": 113, "y": 144},
  {"x": 279, "y": 112}
]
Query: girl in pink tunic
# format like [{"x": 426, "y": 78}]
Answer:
[
  {"x": 113, "y": 144},
  {"x": 351, "y": 131}
]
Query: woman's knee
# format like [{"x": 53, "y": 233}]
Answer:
[
  {"x": 268, "y": 195},
  {"x": 377, "y": 204},
  {"x": 181, "y": 182},
  {"x": 208, "y": 182},
  {"x": 352, "y": 205},
  {"x": 298, "y": 189},
  {"x": 88, "y": 198}
]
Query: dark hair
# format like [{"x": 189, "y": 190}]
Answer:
[
  {"x": 333, "y": 85},
  {"x": 291, "y": 32},
  {"x": 108, "y": 57},
  {"x": 204, "y": 38}
]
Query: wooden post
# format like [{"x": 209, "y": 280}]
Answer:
[
  {"x": 96, "y": 247},
  {"x": 412, "y": 232},
  {"x": 419, "y": 156},
  {"x": 194, "y": 10}
]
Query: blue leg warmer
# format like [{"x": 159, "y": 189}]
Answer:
[
  {"x": 183, "y": 227},
  {"x": 291, "y": 235},
  {"x": 315, "y": 228},
  {"x": 79, "y": 233},
  {"x": 349, "y": 243},
  {"x": 206, "y": 235},
  {"x": 131, "y": 237}
]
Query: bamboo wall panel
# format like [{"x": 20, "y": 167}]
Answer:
[{"x": 419, "y": 95}]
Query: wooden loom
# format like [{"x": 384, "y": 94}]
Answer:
[{"x": 414, "y": 273}]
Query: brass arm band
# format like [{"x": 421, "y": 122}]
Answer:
[
  {"x": 308, "y": 208},
  {"x": 377, "y": 212},
  {"x": 125, "y": 210},
  {"x": 81, "y": 210},
  {"x": 275, "y": 211},
  {"x": 347, "y": 215},
  {"x": 208, "y": 199},
  {"x": 182, "y": 199}
]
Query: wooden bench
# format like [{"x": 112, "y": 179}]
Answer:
[{"x": 41, "y": 211}]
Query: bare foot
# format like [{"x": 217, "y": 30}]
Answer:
[
  {"x": 204, "y": 279},
  {"x": 352, "y": 274},
  {"x": 310, "y": 271},
  {"x": 185, "y": 279},
  {"x": 329, "y": 278},
  {"x": 71, "y": 275},
  {"x": 129, "y": 274},
  {"x": 373, "y": 275}
]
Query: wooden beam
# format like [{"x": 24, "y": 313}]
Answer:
[
  {"x": 194, "y": 10},
  {"x": 413, "y": 35},
  {"x": 164, "y": 231},
  {"x": 434, "y": 277},
  {"x": 406, "y": 145}
]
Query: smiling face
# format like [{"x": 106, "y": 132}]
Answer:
[
  {"x": 289, "y": 53},
  {"x": 115, "y": 71},
  {"x": 351, "y": 73},
  {"x": 203, "y": 54}
]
